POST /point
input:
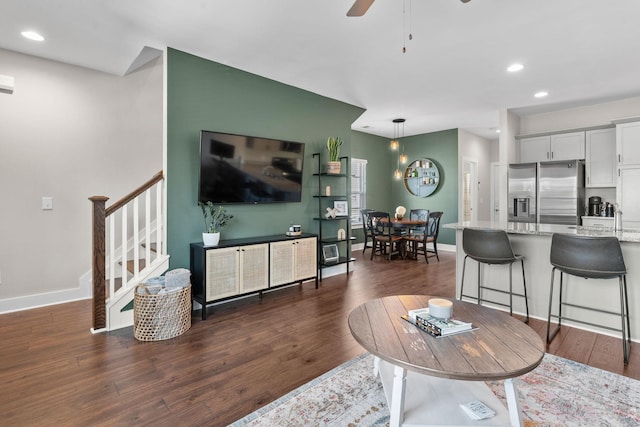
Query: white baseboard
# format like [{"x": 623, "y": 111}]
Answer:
[{"x": 10, "y": 305}]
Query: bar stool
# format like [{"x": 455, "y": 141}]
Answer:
[
  {"x": 590, "y": 258},
  {"x": 492, "y": 247}
]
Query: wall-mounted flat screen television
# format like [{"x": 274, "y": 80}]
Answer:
[{"x": 247, "y": 169}]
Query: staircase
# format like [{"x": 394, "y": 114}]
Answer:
[{"x": 128, "y": 248}]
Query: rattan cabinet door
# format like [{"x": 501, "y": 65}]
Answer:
[
  {"x": 222, "y": 276},
  {"x": 254, "y": 267},
  {"x": 306, "y": 261},
  {"x": 281, "y": 262}
]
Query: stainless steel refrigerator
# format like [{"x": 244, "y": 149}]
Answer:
[
  {"x": 561, "y": 192},
  {"x": 522, "y": 187}
]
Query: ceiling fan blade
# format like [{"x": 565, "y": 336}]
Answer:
[{"x": 360, "y": 7}]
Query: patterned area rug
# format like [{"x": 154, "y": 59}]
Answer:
[{"x": 559, "y": 392}]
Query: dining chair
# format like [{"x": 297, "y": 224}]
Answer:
[
  {"x": 368, "y": 233},
  {"x": 416, "y": 232},
  {"x": 420, "y": 242},
  {"x": 385, "y": 242}
]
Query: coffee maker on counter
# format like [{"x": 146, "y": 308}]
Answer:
[
  {"x": 595, "y": 203},
  {"x": 597, "y": 208}
]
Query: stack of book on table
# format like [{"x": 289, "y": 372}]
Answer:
[{"x": 435, "y": 326}]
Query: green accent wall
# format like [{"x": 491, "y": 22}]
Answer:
[
  {"x": 442, "y": 148},
  {"x": 203, "y": 94}
]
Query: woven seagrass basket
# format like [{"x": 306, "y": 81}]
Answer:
[{"x": 161, "y": 316}]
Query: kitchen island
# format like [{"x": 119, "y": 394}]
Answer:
[{"x": 534, "y": 242}]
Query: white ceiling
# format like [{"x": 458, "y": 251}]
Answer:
[{"x": 453, "y": 74}]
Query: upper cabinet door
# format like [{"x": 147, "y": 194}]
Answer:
[
  {"x": 567, "y": 146},
  {"x": 628, "y": 141},
  {"x": 535, "y": 149},
  {"x": 601, "y": 161}
]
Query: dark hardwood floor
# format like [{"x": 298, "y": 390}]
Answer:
[{"x": 53, "y": 371}]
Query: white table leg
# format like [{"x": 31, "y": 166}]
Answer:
[
  {"x": 512, "y": 402},
  {"x": 397, "y": 396},
  {"x": 376, "y": 366}
]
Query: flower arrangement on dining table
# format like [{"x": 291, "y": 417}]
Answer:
[{"x": 400, "y": 211}]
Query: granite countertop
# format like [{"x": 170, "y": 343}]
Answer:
[{"x": 626, "y": 235}]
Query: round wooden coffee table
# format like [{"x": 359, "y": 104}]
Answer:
[{"x": 426, "y": 378}]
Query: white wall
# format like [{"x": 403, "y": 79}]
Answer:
[
  {"x": 474, "y": 147},
  {"x": 69, "y": 133},
  {"x": 579, "y": 117}
]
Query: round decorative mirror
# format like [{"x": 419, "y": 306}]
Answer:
[{"x": 421, "y": 177}]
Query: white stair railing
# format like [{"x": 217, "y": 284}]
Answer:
[{"x": 117, "y": 264}]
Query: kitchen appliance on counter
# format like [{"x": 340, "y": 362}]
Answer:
[
  {"x": 594, "y": 205},
  {"x": 561, "y": 192},
  {"x": 522, "y": 187}
]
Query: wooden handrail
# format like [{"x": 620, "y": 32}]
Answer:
[
  {"x": 129, "y": 197},
  {"x": 98, "y": 263}
]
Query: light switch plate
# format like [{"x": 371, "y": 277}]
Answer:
[{"x": 47, "y": 203}]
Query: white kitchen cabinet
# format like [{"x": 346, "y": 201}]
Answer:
[
  {"x": 293, "y": 260},
  {"x": 628, "y": 143},
  {"x": 628, "y": 196},
  {"x": 561, "y": 146},
  {"x": 534, "y": 149},
  {"x": 600, "y": 155}
]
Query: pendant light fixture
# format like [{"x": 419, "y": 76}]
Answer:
[
  {"x": 403, "y": 157},
  {"x": 395, "y": 145}
]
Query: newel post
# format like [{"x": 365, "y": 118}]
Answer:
[{"x": 98, "y": 262}]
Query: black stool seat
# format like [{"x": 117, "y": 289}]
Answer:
[
  {"x": 589, "y": 258},
  {"x": 492, "y": 247}
]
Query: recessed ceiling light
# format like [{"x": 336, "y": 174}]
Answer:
[
  {"x": 497, "y": 130},
  {"x": 515, "y": 67},
  {"x": 541, "y": 94},
  {"x": 32, "y": 35}
]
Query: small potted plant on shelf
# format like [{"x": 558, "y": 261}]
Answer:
[
  {"x": 333, "y": 146},
  {"x": 215, "y": 218}
]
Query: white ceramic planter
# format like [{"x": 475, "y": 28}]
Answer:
[{"x": 211, "y": 239}]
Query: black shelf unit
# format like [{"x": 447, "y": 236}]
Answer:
[{"x": 340, "y": 182}]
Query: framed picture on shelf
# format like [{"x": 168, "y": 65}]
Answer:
[
  {"x": 330, "y": 253},
  {"x": 341, "y": 207}
]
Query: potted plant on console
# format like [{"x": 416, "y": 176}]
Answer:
[
  {"x": 215, "y": 218},
  {"x": 333, "y": 146}
]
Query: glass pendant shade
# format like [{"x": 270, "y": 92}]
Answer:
[
  {"x": 397, "y": 174},
  {"x": 394, "y": 144},
  {"x": 403, "y": 158}
]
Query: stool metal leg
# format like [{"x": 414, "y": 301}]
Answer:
[
  {"x": 479, "y": 286},
  {"x": 526, "y": 299},
  {"x": 511, "y": 289},
  {"x": 624, "y": 312},
  {"x": 551, "y": 334},
  {"x": 464, "y": 266}
]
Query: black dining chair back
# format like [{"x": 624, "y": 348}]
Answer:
[
  {"x": 418, "y": 215},
  {"x": 385, "y": 242},
  {"x": 368, "y": 233}
]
